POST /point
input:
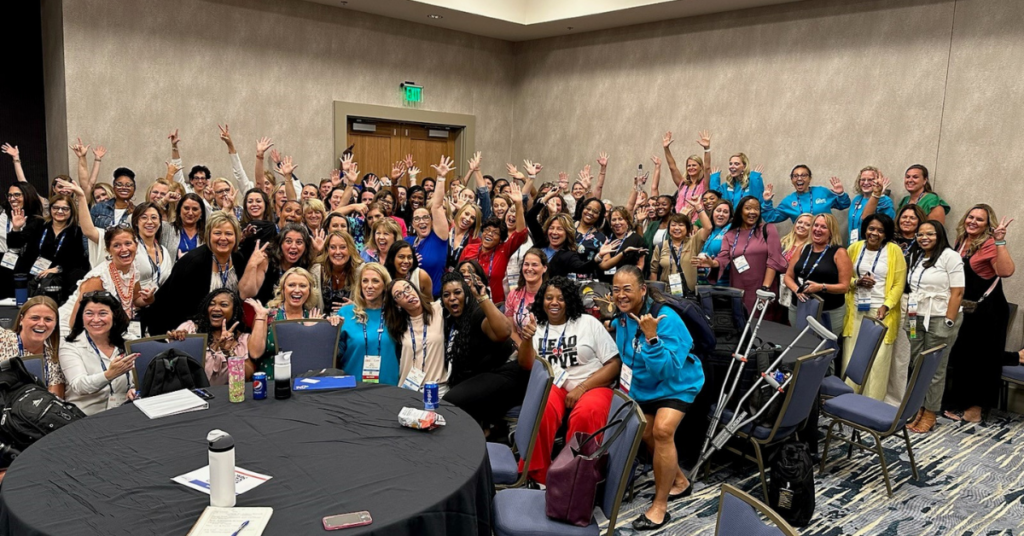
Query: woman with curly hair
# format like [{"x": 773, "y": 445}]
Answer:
[
  {"x": 585, "y": 362},
  {"x": 220, "y": 318},
  {"x": 483, "y": 381}
]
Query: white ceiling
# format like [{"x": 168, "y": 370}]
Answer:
[{"x": 523, "y": 20}]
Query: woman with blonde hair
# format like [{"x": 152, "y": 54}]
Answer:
[
  {"x": 739, "y": 182},
  {"x": 366, "y": 349},
  {"x": 870, "y": 199},
  {"x": 824, "y": 268},
  {"x": 383, "y": 234},
  {"x": 36, "y": 332},
  {"x": 979, "y": 353},
  {"x": 795, "y": 241},
  {"x": 225, "y": 196},
  {"x": 313, "y": 214},
  {"x": 693, "y": 182},
  {"x": 335, "y": 271}
]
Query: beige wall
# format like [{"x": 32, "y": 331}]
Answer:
[
  {"x": 54, "y": 94},
  {"x": 136, "y": 69},
  {"x": 835, "y": 84}
]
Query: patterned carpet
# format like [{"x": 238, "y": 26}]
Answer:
[{"x": 972, "y": 484}]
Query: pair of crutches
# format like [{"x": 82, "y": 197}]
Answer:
[{"x": 714, "y": 442}]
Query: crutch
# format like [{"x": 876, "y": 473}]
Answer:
[
  {"x": 764, "y": 297},
  {"x": 740, "y": 418}
]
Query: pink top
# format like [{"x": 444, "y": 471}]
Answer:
[
  {"x": 685, "y": 192},
  {"x": 517, "y": 307},
  {"x": 983, "y": 262},
  {"x": 760, "y": 254},
  {"x": 216, "y": 363}
]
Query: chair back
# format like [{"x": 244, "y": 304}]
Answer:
[
  {"x": 36, "y": 365},
  {"x": 811, "y": 307},
  {"x": 924, "y": 369},
  {"x": 534, "y": 403},
  {"x": 802, "y": 391},
  {"x": 737, "y": 514},
  {"x": 313, "y": 343},
  {"x": 150, "y": 347},
  {"x": 869, "y": 340},
  {"x": 620, "y": 457}
]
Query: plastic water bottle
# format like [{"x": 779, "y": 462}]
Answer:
[
  {"x": 222, "y": 468},
  {"x": 283, "y": 375}
]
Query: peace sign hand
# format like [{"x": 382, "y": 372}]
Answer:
[
  {"x": 999, "y": 233},
  {"x": 648, "y": 324},
  {"x": 226, "y": 343},
  {"x": 259, "y": 255},
  {"x": 656, "y": 160}
]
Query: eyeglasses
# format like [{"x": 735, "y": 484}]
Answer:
[
  {"x": 926, "y": 235},
  {"x": 98, "y": 294},
  {"x": 221, "y": 192},
  {"x": 123, "y": 185},
  {"x": 61, "y": 210},
  {"x": 800, "y": 176},
  {"x": 15, "y": 195},
  {"x": 420, "y": 218},
  {"x": 403, "y": 294}
]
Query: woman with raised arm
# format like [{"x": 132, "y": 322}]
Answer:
[
  {"x": 823, "y": 267},
  {"x": 220, "y": 317},
  {"x": 465, "y": 233},
  {"x": 36, "y": 332},
  {"x": 366, "y": 349},
  {"x": 24, "y": 219},
  {"x": 496, "y": 248},
  {"x": 693, "y": 183},
  {"x": 430, "y": 230},
  {"x": 806, "y": 199},
  {"x": 738, "y": 182},
  {"x": 335, "y": 271},
  {"x": 919, "y": 192},
  {"x": 979, "y": 354},
  {"x": 870, "y": 199}
]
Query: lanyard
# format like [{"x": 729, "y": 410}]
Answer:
[
  {"x": 732, "y": 251},
  {"x": 861, "y": 258},
  {"x": 462, "y": 245},
  {"x": 103, "y": 365},
  {"x": 858, "y": 209},
  {"x": 186, "y": 244},
  {"x": 412, "y": 336},
  {"x": 803, "y": 268},
  {"x": 801, "y": 203},
  {"x": 910, "y": 276},
  {"x": 380, "y": 333},
  {"x": 155, "y": 266},
  {"x": 21, "y": 347},
  {"x": 60, "y": 242},
  {"x": 716, "y": 236},
  {"x": 561, "y": 340},
  {"x": 581, "y": 238},
  {"x": 520, "y": 317},
  {"x": 490, "y": 264},
  {"x": 223, "y": 272},
  {"x": 636, "y": 346}
]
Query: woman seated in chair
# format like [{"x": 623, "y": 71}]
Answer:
[
  {"x": 220, "y": 318},
  {"x": 483, "y": 381},
  {"x": 35, "y": 333},
  {"x": 661, "y": 374},
  {"x": 373, "y": 361},
  {"x": 584, "y": 360},
  {"x": 94, "y": 362},
  {"x": 295, "y": 297}
]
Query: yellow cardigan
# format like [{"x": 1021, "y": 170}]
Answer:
[{"x": 895, "y": 279}]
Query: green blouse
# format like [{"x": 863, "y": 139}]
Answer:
[{"x": 927, "y": 202}]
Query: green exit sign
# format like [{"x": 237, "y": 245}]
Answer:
[{"x": 412, "y": 93}]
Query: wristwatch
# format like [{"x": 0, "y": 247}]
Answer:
[
  {"x": 652, "y": 341},
  {"x": 949, "y": 323}
]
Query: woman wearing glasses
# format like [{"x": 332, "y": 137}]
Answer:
[
  {"x": 93, "y": 358},
  {"x": 412, "y": 319},
  {"x": 806, "y": 198},
  {"x": 35, "y": 333},
  {"x": 23, "y": 215},
  {"x": 430, "y": 230},
  {"x": 117, "y": 210},
  {"x": 58, "y": 245}
]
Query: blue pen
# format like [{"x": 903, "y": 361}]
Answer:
[{"x": 240, "y": 527}]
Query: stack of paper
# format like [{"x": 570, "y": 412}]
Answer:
[
  {"x": 227, "y": 521},
  {"x": 199, "y": 480},
  {"x": 182, "y": 401}
]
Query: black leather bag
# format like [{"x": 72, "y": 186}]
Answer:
[{"x": 173, "y": 370}]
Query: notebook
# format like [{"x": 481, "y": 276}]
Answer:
[
  {"x": 173, "y": 403},
  {"x": 321, "y": 383},
  {"x": 226, "y": 521}
]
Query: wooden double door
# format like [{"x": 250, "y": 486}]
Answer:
[{"x": 377, "y": 151}]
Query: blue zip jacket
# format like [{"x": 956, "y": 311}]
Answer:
[
  {"x": 816, "y": 200},
  {"x": 666, "y": 369},
  {"x": 857, "y": 213},
  {"x": 733, "y": 194}
]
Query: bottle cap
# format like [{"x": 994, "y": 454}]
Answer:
[{"x": 220, "y": 441}]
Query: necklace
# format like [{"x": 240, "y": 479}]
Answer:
[{"x": 124, "y": 289}]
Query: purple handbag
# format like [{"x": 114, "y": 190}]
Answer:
[{"x": 578, "y": 471}]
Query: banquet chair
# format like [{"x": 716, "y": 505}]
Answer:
[
  {"x": 880, "y": 420},
  {"x": 811, "y": 307},
  {"x": 36, "y": 365},
  {"x": 504, "y": 467},
  {"x": 800, "y": 396},
  {"x": 194, "y": 345},
  {"x": 737, "y": 515},
  {"x": 312, "y": 342},
  {"x": 522, "y": 511},
  {"x": 869, "y": 340}
]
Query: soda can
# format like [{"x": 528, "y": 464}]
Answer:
[
  {"x": 259, "y": 386},
  {"x": 430, "y": 396}
]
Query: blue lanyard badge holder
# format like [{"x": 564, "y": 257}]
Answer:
[{"x": 864, "y": 294}]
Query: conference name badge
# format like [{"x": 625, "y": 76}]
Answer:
[
  {"x": 134, "y": 330},
  {"x": 371, "y": 369},
  {"x": 854, "y": 235},
  {"x": 741, "y": 263},
  {"x": 41, "y": 265},
  {"x": 675, "y": 283},
  {"x": 611, "y": 271},
  {"x": 9, "y": 260},
  {"x": 560, "y": 374},
  {"x": 414, "y": 380},
  {"x": 863, "y": 300},
  {"x": 625, "y": 378}
]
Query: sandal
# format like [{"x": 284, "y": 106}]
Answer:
[
  {"x": 925, "y": 424},
  {"x": 644, "y": 523},
  {"x": 973, "y": 416},
  {"x": 954, "y": 415},
  {"x": 917, "y": 417}
]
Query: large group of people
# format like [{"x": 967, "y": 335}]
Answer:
[{"x": 467, "y": 281}]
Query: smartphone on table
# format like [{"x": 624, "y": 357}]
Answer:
[{"x": 344, "y": 521}]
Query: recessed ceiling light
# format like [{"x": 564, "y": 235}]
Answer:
[{"x": 435, "y": 16}]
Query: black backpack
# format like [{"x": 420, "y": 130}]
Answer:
[
  {"x": 724, "y": 306},
  {"x": 791, "y": 483},
  {"x": 173, "y": 370},
  {"x": 696, "y": 321},
  {"x": 29, "y": 410}
]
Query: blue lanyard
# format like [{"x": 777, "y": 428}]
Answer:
[
  {"x": 490, "y": 265},
  {"x": 677, "y": 255},
  {"x": 21, "y": 347},
  {"x": 716, "y": 236},
  {"x": 60, "y": 242},
  {"x": 635, "y": 344},
  {"x": 861, "y": 258},
  {"x": 801, "y": 203},
  {"x": 103, "y": 365},
  {"x": 856, "y": 211},
  {"x": 910, "y": 276},
  {"x": 561, "y": 339},
  {"x": 623, "y": 243},
  {"x": 155, "y": 266},
  {"x": 732, "y": 251},
  {"x": 520, "y": 317},
  {"x": 223, "y": 272},
  {"x": 186, "y": 244},
  {"x": 803, "y": 268},
  {"x": 412, "y": 336},
  {"x": 380, "y": 333}
]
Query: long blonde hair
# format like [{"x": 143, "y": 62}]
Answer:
[
  {"x": 358, "y": 301},
  {"x": 314, "y": 299},
  {"x": 54, "y": 340},
  {"x": 686, "y": 176},
  {"x": 744, "y": 177},
  {"x": 790, "y": 239},
  {"x": 961, "y": 229},
  {"x": 324, "y": 260}
]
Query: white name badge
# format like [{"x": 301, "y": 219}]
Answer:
[
  {"x": 912, "y": 306},
  {"x": 134, "y": 330},
  {"x": 610, "y": 271},
  {"x": 625, "y": 378},
  {"x": 9, "y": 260},
  {"x": 560, "y": 375},
  {"x": 371, "y": 369},
  {"x": 414, "y": 381},
  {"x": 854, "y": 235},
  {"x": 741, "y": 263},
  {"x": 863, "y": 299},
  {"x": 42, "y": 264},
  {"x": 114, "y": 401},
  {"x": 785, "y": 295},
  {"x": 675, "y": 283}
]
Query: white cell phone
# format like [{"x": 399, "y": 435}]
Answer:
[{"x": 344, "y": 521}]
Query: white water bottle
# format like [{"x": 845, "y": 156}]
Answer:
[{"x": 222, "y": 469}]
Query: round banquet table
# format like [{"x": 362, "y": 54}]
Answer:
[{"x": 328, "y": 453}]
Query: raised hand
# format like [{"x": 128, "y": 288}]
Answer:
[
  {"x": 352, "y": 174},
  {"x": 602, "y": 159},
  {"x": 515, "y": 192},
  {"x": 999, "y": 233},
  {"x": 99, "y": 152},
  {"x": 80, "y": 150},
  {"x": 585, "y": 178},
  {"x": 704, "y": 139},
  {"x": 667, "y": 140},
  {"x": 175, "y": 138},
  {"x": 13, "y": 151},
  {"x": 397, "y": 169},
  {"x": 563, "y": 181},
  {"x": 532, "y": 168},
  {"x": 319, "y": 238},
  {"x": 640, "y": 180},
  {"x": 608, "y": 247},
  {"x": 694, "y": 202},
  {"x": 444, "y": 166},
  {"x": 656, "y": 160},
  {"x": 275, "y": 156},
  {"x": 258, "y": 309},
  {"x": 173, "y": 197},
  {"x": 648, "y": 324},
  {"x": 335, "y": 177},
  {"x": 881, "y": 185},
  {"x": 63, "y": 185},
  {"x": 225, "y": 135},
  {"x": 409, "y": 162},
  {"x": 716, "y": 169},
  {"x": 259, "y": 255},
  {"x": 413, "y": 171},
  {"x": 226, "y": 342},
  {"x": 346, "y": 162},
  {"x": 287, "y": 166},
  {"x": 17, "y": 218},
  {"x": 172, "y": 168},
  {"x": 759, "y": 168},
  {"x": 836, "y": 185},
  {"x": 769, "y": 192},
  {"x": 514, "y": 172},
  {"x": 262, "y": 145},
  {"x": 373, "y": 182},
  {"x": 474, "y": 163}
]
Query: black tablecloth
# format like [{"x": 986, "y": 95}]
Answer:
[{"x": 328, "y": 453}]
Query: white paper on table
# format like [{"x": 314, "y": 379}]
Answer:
[
  {"x": 225, "y": 521},
  {"x": 199, "y": 479}
]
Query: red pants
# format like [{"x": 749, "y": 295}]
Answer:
[{"x": 588, "y": 415}]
